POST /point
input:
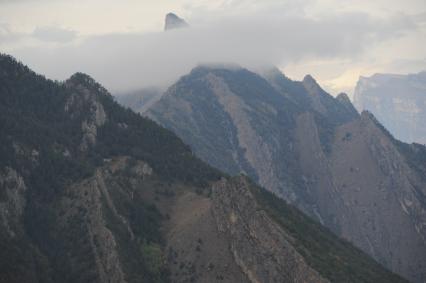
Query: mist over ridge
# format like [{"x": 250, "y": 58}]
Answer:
[{"x": 129, "y": 61}]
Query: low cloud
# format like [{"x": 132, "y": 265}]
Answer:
[
  {"x": 130, "y": 61},
  {"x": 54, "y": 34},
  {"x": 6, "y": 35}
]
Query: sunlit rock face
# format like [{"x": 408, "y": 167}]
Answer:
[
  {"x": 174, "y": 22},
  {"x": 398, "y": 102}
]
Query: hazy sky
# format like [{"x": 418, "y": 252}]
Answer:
[{"x": 121, "y": 43}]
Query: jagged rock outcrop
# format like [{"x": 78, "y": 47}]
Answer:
[
  {"x": 311, "y": 149},
  {"x": 254, "y": 237},
  {"x": 172, "y": 21},
  {"x": 398, "y": 102},
  {"x": 84, "y": 104},
  {"x": 12, "y": 201},
  {"x": 315, "y": 92},
  {"x": 346, "y": 102}
]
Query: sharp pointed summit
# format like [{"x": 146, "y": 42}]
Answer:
[{"x": 174, "y": 22}]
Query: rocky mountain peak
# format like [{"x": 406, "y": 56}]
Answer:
[
  {"x": 174, "y": 22},
  {"x": 311, "y": 85},
  {"x": 86, "y": 84},
  {"x": 343, "y": 97},
  {"x": 10, "y": 67},
  {"x": 79, "y": 78},
  {"x": 367, "y": 116},
  {"x": 308, "y": 80},
  {"x": 84, "y": 103},
  {"x": 273, "y": 74},
  {"x": 7, "y": 59}
]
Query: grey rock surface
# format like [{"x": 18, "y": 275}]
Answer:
[
  {"x": 312, "y": 150},
  {"x": 254, "y": 237}
]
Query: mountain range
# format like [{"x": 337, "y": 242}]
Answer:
[
  {"x": 94, "y": 192},
  {"x": 312, "y": 150}
]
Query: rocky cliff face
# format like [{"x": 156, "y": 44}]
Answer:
[
  {"x": 312, "y": 150},
  {"x": 254, "y": 237},
  {"x": 398, "y": 102},
  {"x": 362, "y": 190},
  {"x": 381, "y": 192},
  {"x": 83, "y": 103}
]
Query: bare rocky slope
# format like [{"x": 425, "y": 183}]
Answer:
[
  {"x": 312, "y": 150},
  {"x": 92, "y": 192},
  {"x": 398, "y": 101}
]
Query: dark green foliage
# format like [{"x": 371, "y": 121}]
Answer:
[
  {"x": 145, "y": 140},
  {"x": 21, "y": 262},
  {"x": 333, "y": 258},
  {"x": 145, "y": 220},
  {"x": 41, "y": 140},
  {"x": 35, "y": 132},
  {"x": 32, "y": 116}
]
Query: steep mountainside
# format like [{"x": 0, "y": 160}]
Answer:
[
  {"x": 398, "y": 101},
  {"x": 312, "y": 150},
  {"x": 92, "y": 192}
]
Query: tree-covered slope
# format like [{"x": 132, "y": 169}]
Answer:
[{"x": 54, "y": 136}]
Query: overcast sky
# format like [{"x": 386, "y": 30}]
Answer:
[{"x": 121, "y": 43}]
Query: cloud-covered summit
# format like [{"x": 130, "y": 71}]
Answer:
[
  {"x": 248, "y": 33},
  {"x": 172, "y": 21}
]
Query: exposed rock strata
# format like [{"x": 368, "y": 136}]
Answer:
[{"x": 255, "y": 238}]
